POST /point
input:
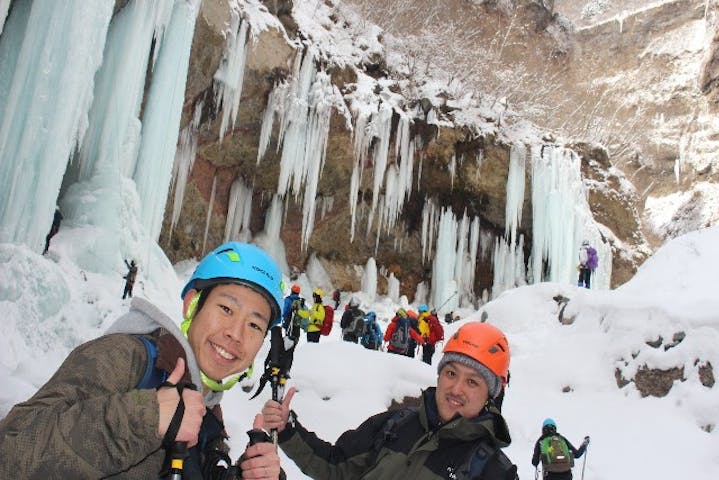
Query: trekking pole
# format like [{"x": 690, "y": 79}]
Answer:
[
  {"x": 277, "y": 367},
  {"x": 584, "y": 462},
  {"x": 445, "y": 302},
  {"x": 278, "y": 379},
  {"x": 536, "y": 472},
  {"x": 178, "y": 454}
]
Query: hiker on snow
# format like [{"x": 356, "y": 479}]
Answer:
[
  {"x": 293, "y": 312},
  {"x": 414, "y": 325},
  {"x": 54, "y": 228},
  {"x": 454, "y": 433},
  {"x": 129, "y": 278},
  {"x": 336, "y": 295},
  {"x": 431, "y": 331},
  {"x": 352, "y": 322},
  {"x": 107, "y": 412},
  {"x": 317, "y": 316},
  {"x": 588, "y": 262},
  {"x": 399, "y": 333},
  {"x": 372, "y": 338},
  {"x": 556, "y": 452}
]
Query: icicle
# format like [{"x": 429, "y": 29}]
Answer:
[
  {"x": 383, "y": 125},
  {"x": 239, "y": 211},
  {"x": 452, "y": 169},
  {"x": 209, "y": 214},
  {"x": 184, "y": 159},
  {"x": 47, "y": 76},
  {"x": 274, "y": 105},
  {"x": 515, "y": 191},
  {"x": 230, "y": 74},
  {"x": 162, "y": 115}
]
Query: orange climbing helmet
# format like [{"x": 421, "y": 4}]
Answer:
[
  {"x": 295, "y": 288},
  {"x": 484, "y": 343}
]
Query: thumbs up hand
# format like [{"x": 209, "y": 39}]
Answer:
[{"x": 168, "y": 399}]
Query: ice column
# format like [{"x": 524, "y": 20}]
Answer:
[
  {"x": 508, "y": 264},
  {"x": 163, "y": 111},
  {"x": 562, "y": 219},
  {"x": 369, "y": 280},
  {"x": 49, "y": 52},
  {"x": 4, "y": 7},
  {"x": 230, "y": 74},
  {"x": 239, "y": 211},
  {"x": 269, "y": 239}
]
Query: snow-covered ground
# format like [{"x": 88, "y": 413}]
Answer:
[{"x": 561, "y": 371}]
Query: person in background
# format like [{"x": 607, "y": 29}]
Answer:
[
  {"x": 352, "y": 321},
  {"x": 454, "y": 433},
  {"x": 588, "y": 261},
  {"x": 372, "y": 338},
  {"x": 294, "y": 308},
  {"x": 336, "y": 295},
  {"x": 435, "y": 334},
  {"x": 414, "y": 327},
  {"x": 118, "y": 403},
  {"x": 129, "y": 278},
  {"x": 556, "y": 452},
  {"x": 54, "y": 228},
  {"x": 399, "y": 333},
  {"x": 317, "y": 316}
]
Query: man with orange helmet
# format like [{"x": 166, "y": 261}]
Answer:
[{"x": 456, "y": 432}]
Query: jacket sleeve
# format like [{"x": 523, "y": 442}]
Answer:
[
  {"x": 88, "y": 420},
  {"x": 535, "y": 456},
  {"x": 318, "y": 314},
  {"x": 348, "y": 458},
  {"x": 417, "y": 337},
  {"x": 390, "y": 331},
  {"x": 577, "y": 452}
]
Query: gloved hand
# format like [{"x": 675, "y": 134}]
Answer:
[{"x": 585, "y": 443}]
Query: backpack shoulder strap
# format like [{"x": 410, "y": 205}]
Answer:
[
  {"x": 391, "y": 426},
  {"x": 153, "y": 377},
  {"x": 488, "y": 461}
]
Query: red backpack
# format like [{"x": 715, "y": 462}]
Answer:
[
  {"x": 329, "y": 320},
  {"x": 436, "y": 332}
]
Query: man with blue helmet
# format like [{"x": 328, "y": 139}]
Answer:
[{"x": 119, "y": 401}]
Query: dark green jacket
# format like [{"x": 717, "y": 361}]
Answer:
[{"x": 418, "y": 448}]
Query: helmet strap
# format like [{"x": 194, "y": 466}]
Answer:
[{"x": 216, "y": 386}]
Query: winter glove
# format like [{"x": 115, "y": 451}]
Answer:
[{"x": 585, "y": 443}]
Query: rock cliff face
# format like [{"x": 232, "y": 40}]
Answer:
[{"x": 529, "y": 58}]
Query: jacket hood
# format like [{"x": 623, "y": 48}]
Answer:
[
  {"x": 144, "y": 317},
  {"x": 488, "y": 424}
]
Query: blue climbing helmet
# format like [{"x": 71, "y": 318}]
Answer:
[
  {"x": 549, "y": 425},
  {"x": 422, "y": 308},
  {"x": 241, "y": 264}
]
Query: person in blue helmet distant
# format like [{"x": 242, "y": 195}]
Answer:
[
  {"x": 372, "y": 337},
  {"x": 556, "y": 453},
  {"x": 119, "y": 403}
]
